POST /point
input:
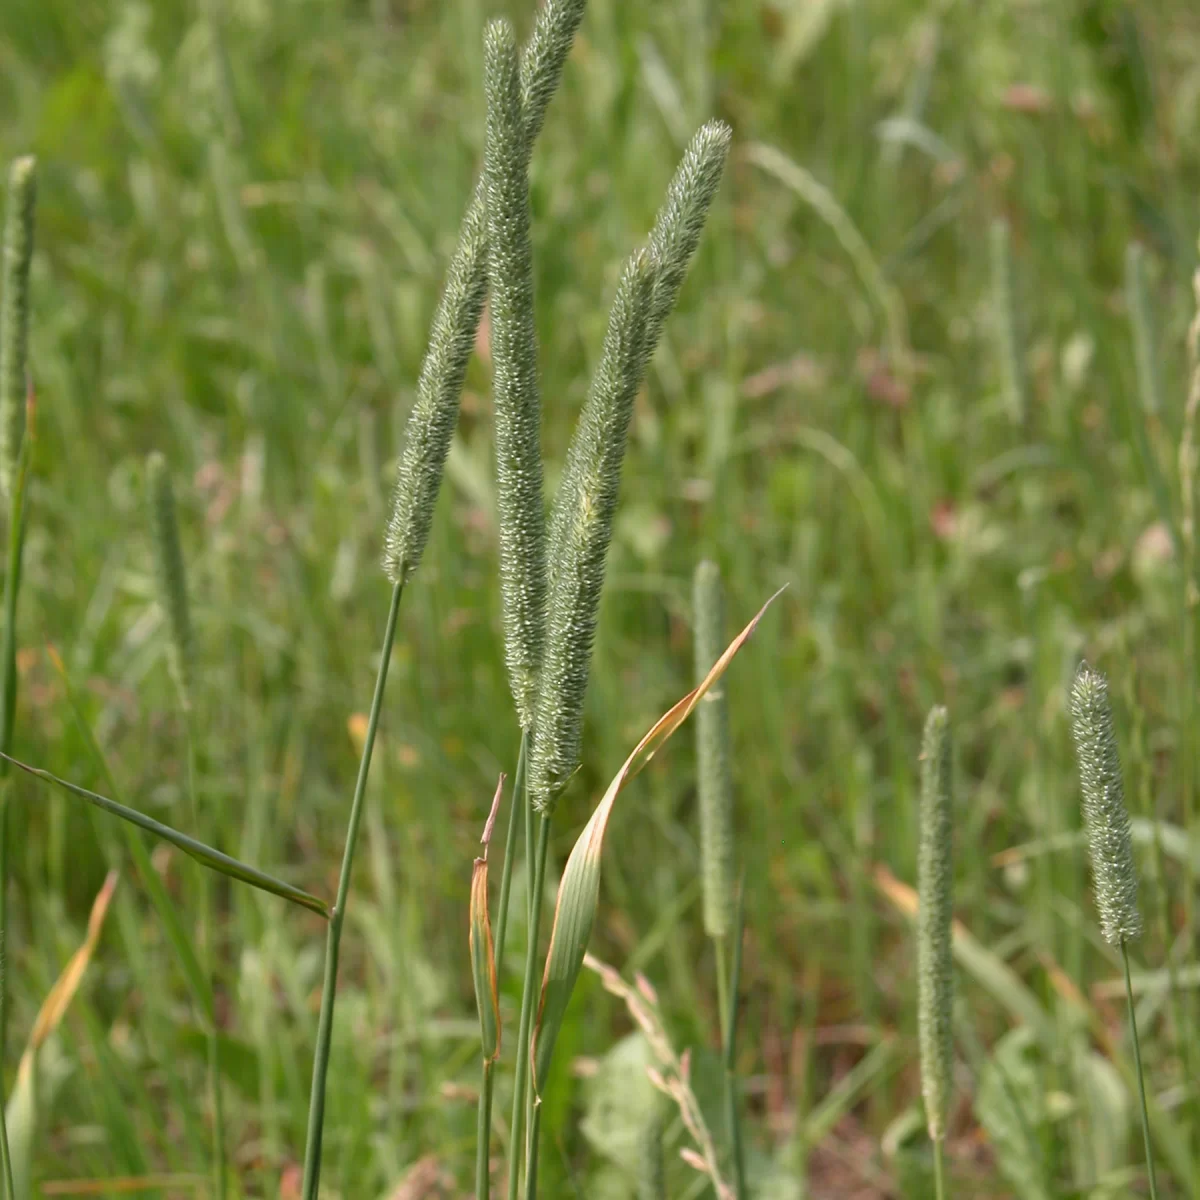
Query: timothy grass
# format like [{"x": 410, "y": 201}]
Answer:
[{"x": 246, "y": 217}]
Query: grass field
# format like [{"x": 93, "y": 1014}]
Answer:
[{"x": 245, "y": 213}]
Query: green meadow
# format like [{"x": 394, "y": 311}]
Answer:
[{"x": 929, "y": 374}]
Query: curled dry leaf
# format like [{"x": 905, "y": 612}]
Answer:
[{"x": 579, "y": 890}]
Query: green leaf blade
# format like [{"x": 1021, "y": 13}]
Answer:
[{"x": 206, "y": 856}]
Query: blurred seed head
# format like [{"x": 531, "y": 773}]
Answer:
[
  {"x": 935, "y": 881},
  {"x": 713, "y": 757},
  {"x": 1105, "y": 818},
  {"x": 14, "y": 314}
]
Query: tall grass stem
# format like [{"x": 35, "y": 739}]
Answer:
[
  {"x": 729, "y": 1022},
  {"x": 316, "y": 1106},
  {"x": 483, "y": 1132},
  {"x": 209, "y": 1009},
  {"x": 529, "y": 992},
  {"x": 1137, "y": 1064},
  {"x": 939, "y": 1168}
]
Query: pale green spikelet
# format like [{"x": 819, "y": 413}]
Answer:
[
  {"x": 452, "y": 335},
  {"x": 170, "y": 574},
  {"x": 543, "y": 58},
  {"x": 935, "y": 879},
  {"x": 680, "y": 221},
  {"x": 1009, "y": 349},
  {"x": 583, "y": 518},
  {"x": 1105, "y": 819},
  {"x": 713, "y": 758},
  {"x": 1142, "y": 323},
  {"x": 14, "y": 314},
  {"x": 514, "y": 372}
]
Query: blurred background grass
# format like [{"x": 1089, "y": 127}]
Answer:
[{"x": 245, "y": 213}]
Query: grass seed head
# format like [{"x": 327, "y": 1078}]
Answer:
[
  {"x": 714, "y": 760},
  {"x": 581, "y": 529},
  {"x": 170, "y": 574},
  {"x": 1105, "y": 818},
  {"x": 680, "y": 221},
  {"x": 514, "y": 371},
  {"x": 439, "y": 389},
  {"x": 935, "y": 878},
  {"x": 543, "y": 58},
  {"x": 452, "y": 336},
  {"x": 14, "y": 314}
]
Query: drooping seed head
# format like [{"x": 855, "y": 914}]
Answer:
[
  {"x": 935, "y": 879},
  {"x": 581, "y": 529},
  {"x": 713, "y": 758},
  {"x": 680, "y": 221},
  {"x": 170, "y": 574},
  {"x": 1105, "y": 819},
  {"x": 514, "y": 371},
  {"x": 452, "y": 336},
  {"x": 14, "y": 314}
]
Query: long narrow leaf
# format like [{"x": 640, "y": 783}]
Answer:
[
  {"x": 579, "y": 891},
  {"x": 206, "y": 856},
  {"x": 156, "y": 889}
]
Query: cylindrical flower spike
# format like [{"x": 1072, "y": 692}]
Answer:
[
  {"x": 170, "y": 574},
  {"x": 439, "y": 389},
  {"x": 935, "y": 878},
  {"x": 543, "y": 57},
  {"x": 680, "y": 221},
  {"x": 514, "y": 371},
  {"x": 713, "y": 759},
  {"x": 452, "y": 336},
  {"x": 1105, "y": 818},
  {"x": 582, "y": 520},
  {"x": 14, "y": 314}
]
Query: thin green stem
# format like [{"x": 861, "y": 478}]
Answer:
[
  {"x": 10, "y": 1191},
  {"x": 209, "y": 1007},
  {"x": 1137, "y": 1063},
  {"x": 483, "y": 1133},
  {"x": 939, "y": 1170},
  {"x": 8, "y": 702},
  {"x": 510, "y": 849},
  {"x": 729, "y": 1046},
  {"x": 531, "y": 1164},
  {"x": 316, "y": 1105},
  {"x": 722, "y": 987},
  {"x": 528, "y": 1001}
]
